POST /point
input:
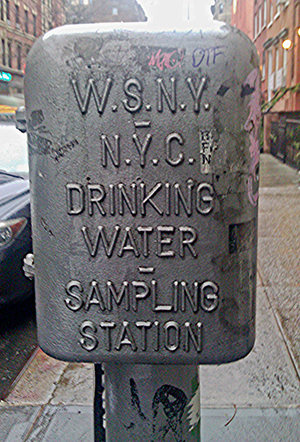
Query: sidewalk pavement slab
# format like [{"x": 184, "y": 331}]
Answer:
[
  {"x": 46, "y": 424},
  {"x": 256, "y": 425},
  {"x": 16, "y": 421},
  {"x": 266, "y": 378},
  {"x": 279, "y": 258},
  {"x": 38, "y": 381}
]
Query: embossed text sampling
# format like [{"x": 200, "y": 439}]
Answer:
[
  {"x": 133, "y": 90},
  {"x": 110, "y": 148},
  {"x": 142, "y": 335},
  {"x": 138, "y": 198},
  {"x": 162, "y": 199},
  {"x": 164, "y": 241},
  {"x": 106, "y": 297}
]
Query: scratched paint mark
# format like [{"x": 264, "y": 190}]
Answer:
[
  {"x": 208, "y": 56},
  {"x": 168, "y": 60},
  {"x": 135, "y": 400},
  {"x": 231, "y": 419},
  {"x": 173, "y": 402},
  {"x": 222, "y": 90},
  {"x": 36, "y": 118},
  {"x": 115, "y": 53},
  {"x": 43, "y": 146},
  {"x": 46, "y": 227},
  {"x": 251, "y": 86}
]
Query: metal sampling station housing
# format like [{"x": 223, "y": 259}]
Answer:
[{"x": 143, "y": 148}]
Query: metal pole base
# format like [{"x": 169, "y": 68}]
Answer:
[{"x": 151, "y": 403}]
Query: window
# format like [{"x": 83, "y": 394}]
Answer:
[
  {"x": 3, "y": 52},
  {"x": 265, "y": 12},
  {"x": 263, "y": 71},
  {"x": 271, "y": 12},
  {"x": 19, "y": 56},
  {"x": 115, "y": 11},
  {"x": 7, "y": 10},
  {"x": 255, "y": 26},
  {"x": 277, "y": 79},
  {"x": 9, "y": 54},
  {"x": 234, "y": 6},
  {"x": 17, "y": 16},
  {"x": 277, "y": 9},
  {"x": 1, "y": 10},
  {"x": 260, "y": 20},
  {"x": 270, "y": 75},
  {"x": 34, "y": 24},
  {"x": 26, "y": 21},
  {"x": 284, "y": 69}
]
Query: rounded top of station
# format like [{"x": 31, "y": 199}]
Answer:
[{"x": 147, "y": 27}]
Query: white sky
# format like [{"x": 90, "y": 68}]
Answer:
[
  {"x": 167, "y": 11},
  {"x": 13, "y": 149}
]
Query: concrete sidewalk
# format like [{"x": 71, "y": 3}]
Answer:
[{"x": 256, "y": 399}]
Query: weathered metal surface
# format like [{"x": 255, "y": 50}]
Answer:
[
  {"x": 144, "y": 178},
  {"x": 152, "y": 403}
]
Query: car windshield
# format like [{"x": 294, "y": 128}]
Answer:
[
  {"x": 13, "y": 150},
  {"x": 7, "y": 177}
]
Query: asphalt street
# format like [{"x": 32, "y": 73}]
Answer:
[
  {"x": 17, "y": 342},
  {"x": 17, "y": 325}
]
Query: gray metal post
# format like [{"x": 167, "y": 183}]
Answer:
[
  {"x": 151, "y": 403},
  {"x": 143, "y": 149}
]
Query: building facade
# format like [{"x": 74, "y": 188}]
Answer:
[
  {"x": 221, "y": 10},
  {"x": 242, "y": 16},
  {"x": 21, "y": 22},
  {"x": 276, "y": 34},
  {"x": 98, "y": 11},
  {"x": 277, "y": 38},
  {"x": 260, "y": 25},
  {"x": 116, "y": 11},
  {"x": 52, "y": 14}
]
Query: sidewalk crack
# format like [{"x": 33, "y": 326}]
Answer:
[
  {"x": 278, "y": 322},
  {"x": 30, "y": 430},
  {"x": 57, "y": 384}
]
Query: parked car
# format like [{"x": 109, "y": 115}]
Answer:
[{"x": 15, "y": 227}]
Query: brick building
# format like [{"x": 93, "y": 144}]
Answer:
[
  {"x": 221, "y": 10},
  {"x": 242, "y": 16},
  {"x": 280, "y": 68},
  {"x": 260, "y": 23},
  {"x": 276, "y": 34},
  {"x": 52, "y": 14},
  {"x": 117, "y": 11},
  {"x": 97, "y": 11},
  {"x": 21, "y": 22}
]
